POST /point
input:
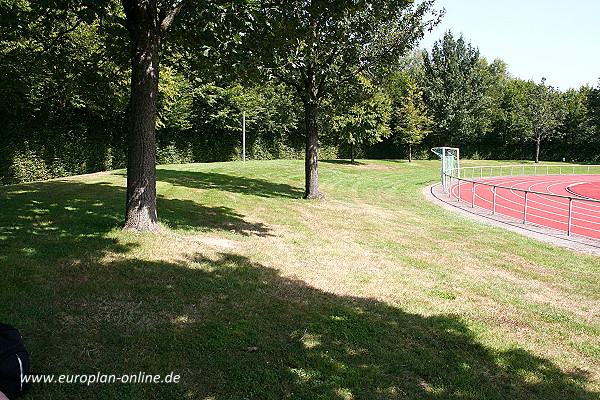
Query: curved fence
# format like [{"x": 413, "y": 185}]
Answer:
[{"x": 496, "y": 189}]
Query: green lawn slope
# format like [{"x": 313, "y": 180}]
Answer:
[{"x": 250, "y": 292}]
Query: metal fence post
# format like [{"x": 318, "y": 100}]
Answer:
[
  {"x": 525, "y": 209},
  {"x": 473, "y": 196},
  {"x": 570, "y": 216},
  {"x": 494, "y": 202}
]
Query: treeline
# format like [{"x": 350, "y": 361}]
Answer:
[
  {"x": 479, "y": 107},
  {"x": 64, "y": 107}
]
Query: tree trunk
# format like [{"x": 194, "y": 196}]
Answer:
[
  {"x": 144, "y": 33},
  {"x": 410, "y": 153},
  {"x": 352, "y": 161},
  {"x": 311, "y": 174},
  {"x": 537, "y": 149}
]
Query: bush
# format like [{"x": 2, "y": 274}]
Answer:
[
  {"x": 171, "y": 154},
  {"x": 28, "y": 166}
]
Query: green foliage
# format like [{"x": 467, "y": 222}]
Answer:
[
  {"x": 545, "y": 109},
  {"x": 318, "y": 46},
  {"x": 271, "y": 121},
  {"x": 593, "y": 124},
  {"x": 64, "y": 70},
  {"x": 545, "y": 112},
  {"x": 28, "y": 166},
  {"x": 175, "y": 100},
  {"x": 454, "y": 89},
  {"x": 412, "y": 120},
  {"x": 64, "y": 88},
  {"x": 172, "y": 154},
  {"x": 579, "y": 133},
  {"x": 515, "y": 104},
  {"x": 358, "y": 115}
]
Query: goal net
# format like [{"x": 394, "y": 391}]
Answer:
[{"x": 450, "y": 162}]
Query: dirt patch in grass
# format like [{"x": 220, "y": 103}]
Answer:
[
  {"x": 215, "y": 242},
  {"x": 374, "y": 166}
]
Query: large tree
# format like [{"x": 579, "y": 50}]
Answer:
[
  {"x": 576, "y": 142},
  {"x": 454, "y": 89},
  {"x": 359, "y": 114},
  {"x": 147, "y": 26},
  {"x": 594, "y": 120},
  {"x": 411, "y": 120},
  {"x": 316, "y": 46},
  {"x": 545, "y": 113},
  {"x": 206, "y": 26}
]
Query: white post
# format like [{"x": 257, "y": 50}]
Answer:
[
  {"x": 570, "y": 216},
  {"x": 244, "y": 136},
  {"x": 525, "y": 209}
]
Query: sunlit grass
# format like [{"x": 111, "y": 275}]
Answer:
[{"x": 375, "y": 293}]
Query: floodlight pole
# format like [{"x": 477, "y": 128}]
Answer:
[{"x": 244, "y": 136}]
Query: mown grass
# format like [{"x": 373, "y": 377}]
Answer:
[{"x": 372, "y": 294}]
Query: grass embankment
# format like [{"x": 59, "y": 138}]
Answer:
[{"x": 253, "y": 293}]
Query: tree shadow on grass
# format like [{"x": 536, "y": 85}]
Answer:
[
  {"x": 202, "y": 317},
  {"x": 235, "y": 329},
  {"x": 405, "y": 161},
  {"x": 66, "y": 219},
  {"x": 229, "y": 183},
  {"x": 342, "y": 162},
  {"x": 54, "y": 220},
  {"x": 189, "y": 215},
  {"x": 50, "y": 231}
]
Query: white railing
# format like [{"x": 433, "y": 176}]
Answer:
[{"x": 471, "y": 174}]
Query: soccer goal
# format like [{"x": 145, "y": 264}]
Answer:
[{"x": 450, "y": 163}]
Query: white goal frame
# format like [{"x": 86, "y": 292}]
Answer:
[{"x": 450, "y": 162}]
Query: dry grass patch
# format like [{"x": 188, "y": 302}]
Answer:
[{"x": 374, "y": 294}]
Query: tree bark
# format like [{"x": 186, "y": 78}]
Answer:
[
  {"x": 352, "y": 161},
  {"x": 144, "y": 32},
  {"x": 410, "y": 153},
  {"x": 311, "y": 174},
  {"x": 537, "y": 149}
]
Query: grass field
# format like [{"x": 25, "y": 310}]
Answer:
[{"x": 252, "y": 293}]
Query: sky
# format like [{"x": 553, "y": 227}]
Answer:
[{"x": 556, "y": 40}]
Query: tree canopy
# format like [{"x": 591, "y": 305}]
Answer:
[
  {"x": 341, "y": 77},
  {"x": 411, "y": 121},
  {"x": 455, "y": 90},
  {"x": 544, "y": 114},
  {"x": 317, "y": 46}
]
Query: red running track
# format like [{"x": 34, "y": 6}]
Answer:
[{"x": 548, "y": 211}]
